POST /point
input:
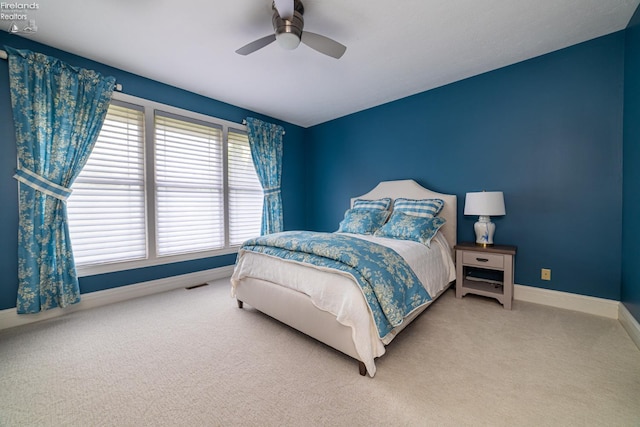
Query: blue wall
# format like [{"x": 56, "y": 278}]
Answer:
[
  {"x": 631, "y": 194},
  {"x": 292, "y": 186},
  {"x": 547, "y": 132}
]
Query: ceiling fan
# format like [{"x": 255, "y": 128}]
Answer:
[{"x": 287, "y": 25}]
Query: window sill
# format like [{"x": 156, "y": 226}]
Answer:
[{"x": 92, "y": 270}]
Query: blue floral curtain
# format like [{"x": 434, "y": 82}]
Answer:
[
  {"x": 58, "y": 111},
  {"x": 265, "y": 140}
]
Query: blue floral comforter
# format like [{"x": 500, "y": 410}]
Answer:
[{"x": 388, "y": 284}]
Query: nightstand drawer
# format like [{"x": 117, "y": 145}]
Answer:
[{"x": 483, "y": 259}]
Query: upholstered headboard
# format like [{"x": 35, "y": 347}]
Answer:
[{"x": 410, "y": 189}]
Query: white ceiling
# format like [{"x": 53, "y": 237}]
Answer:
[{"x": 394, "y": 48}]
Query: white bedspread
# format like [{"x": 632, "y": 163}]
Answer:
[{"x": 339, "y": 293}]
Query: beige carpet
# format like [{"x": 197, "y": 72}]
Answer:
[{"x": 192, "y": 358}]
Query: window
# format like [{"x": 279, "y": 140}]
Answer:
[
  {"x": 245, "y": 191},
  {"x": 106, "y": 210},
  {"x": 162, "y": 185},
  {"x": 189, "y": 185}
]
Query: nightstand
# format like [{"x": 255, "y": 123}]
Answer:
[{"x": 475, "y": 266}]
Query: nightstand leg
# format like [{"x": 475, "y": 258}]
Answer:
[
  {"x": 459, "y": 276},
  {"x": 508, "y": 281}
]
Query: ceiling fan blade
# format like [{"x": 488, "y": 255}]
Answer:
[
  {"x": 323, "y": 44},
  {"x": 256, "y": 44},
  {"x": 284, "y": 8}
]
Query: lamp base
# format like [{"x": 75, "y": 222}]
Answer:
[{"x": 484, "y": 229}]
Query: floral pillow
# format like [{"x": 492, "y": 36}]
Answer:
[
  {"x": 363, "y": 221},
  {"x": 409, "y": 227},
  {"x": 423, "y": 208},
  {"x": 383, "y": 204}
]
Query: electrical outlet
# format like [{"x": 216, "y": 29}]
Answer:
[{"x": 545, "y": 274}]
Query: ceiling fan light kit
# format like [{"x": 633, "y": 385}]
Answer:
[
  {"x": 288, "y": 31},
  {"x": 288, "y": 25}
]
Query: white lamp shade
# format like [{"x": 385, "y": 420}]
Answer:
[{"x": 485, "y": 203}]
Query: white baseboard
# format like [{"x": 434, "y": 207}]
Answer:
[
  {"x": 630, "y": 324},
  {"x": 10, "y": 318},
  {"x": 585, "y": 304}
]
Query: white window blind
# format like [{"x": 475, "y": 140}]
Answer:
[
  {"x": 245, "y": 191},
  {"x": 162, "y": 185},
  {"x": 107, "y": 207},
  {"x": 188, "y": 184}
]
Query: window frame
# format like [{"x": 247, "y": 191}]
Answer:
[{"x": 153, "y": 259}]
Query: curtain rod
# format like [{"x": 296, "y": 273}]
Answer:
[
  {"x": 244, "y": 122},
  {"x": 3, "y": 55}
]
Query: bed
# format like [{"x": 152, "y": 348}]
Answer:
[{"x": 330, "y": 305}]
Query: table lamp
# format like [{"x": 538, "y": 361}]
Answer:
[{"x": 485, "y": 204}]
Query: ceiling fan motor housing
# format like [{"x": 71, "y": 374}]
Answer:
[{"x": 289, "y": 32}]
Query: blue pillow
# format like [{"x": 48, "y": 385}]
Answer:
[
  {"x": 423, "y": 208},
  {"x": 363, "y": 221},
  {"x": 383, "y": 204},
  {"x": 409, "y": 227}
]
